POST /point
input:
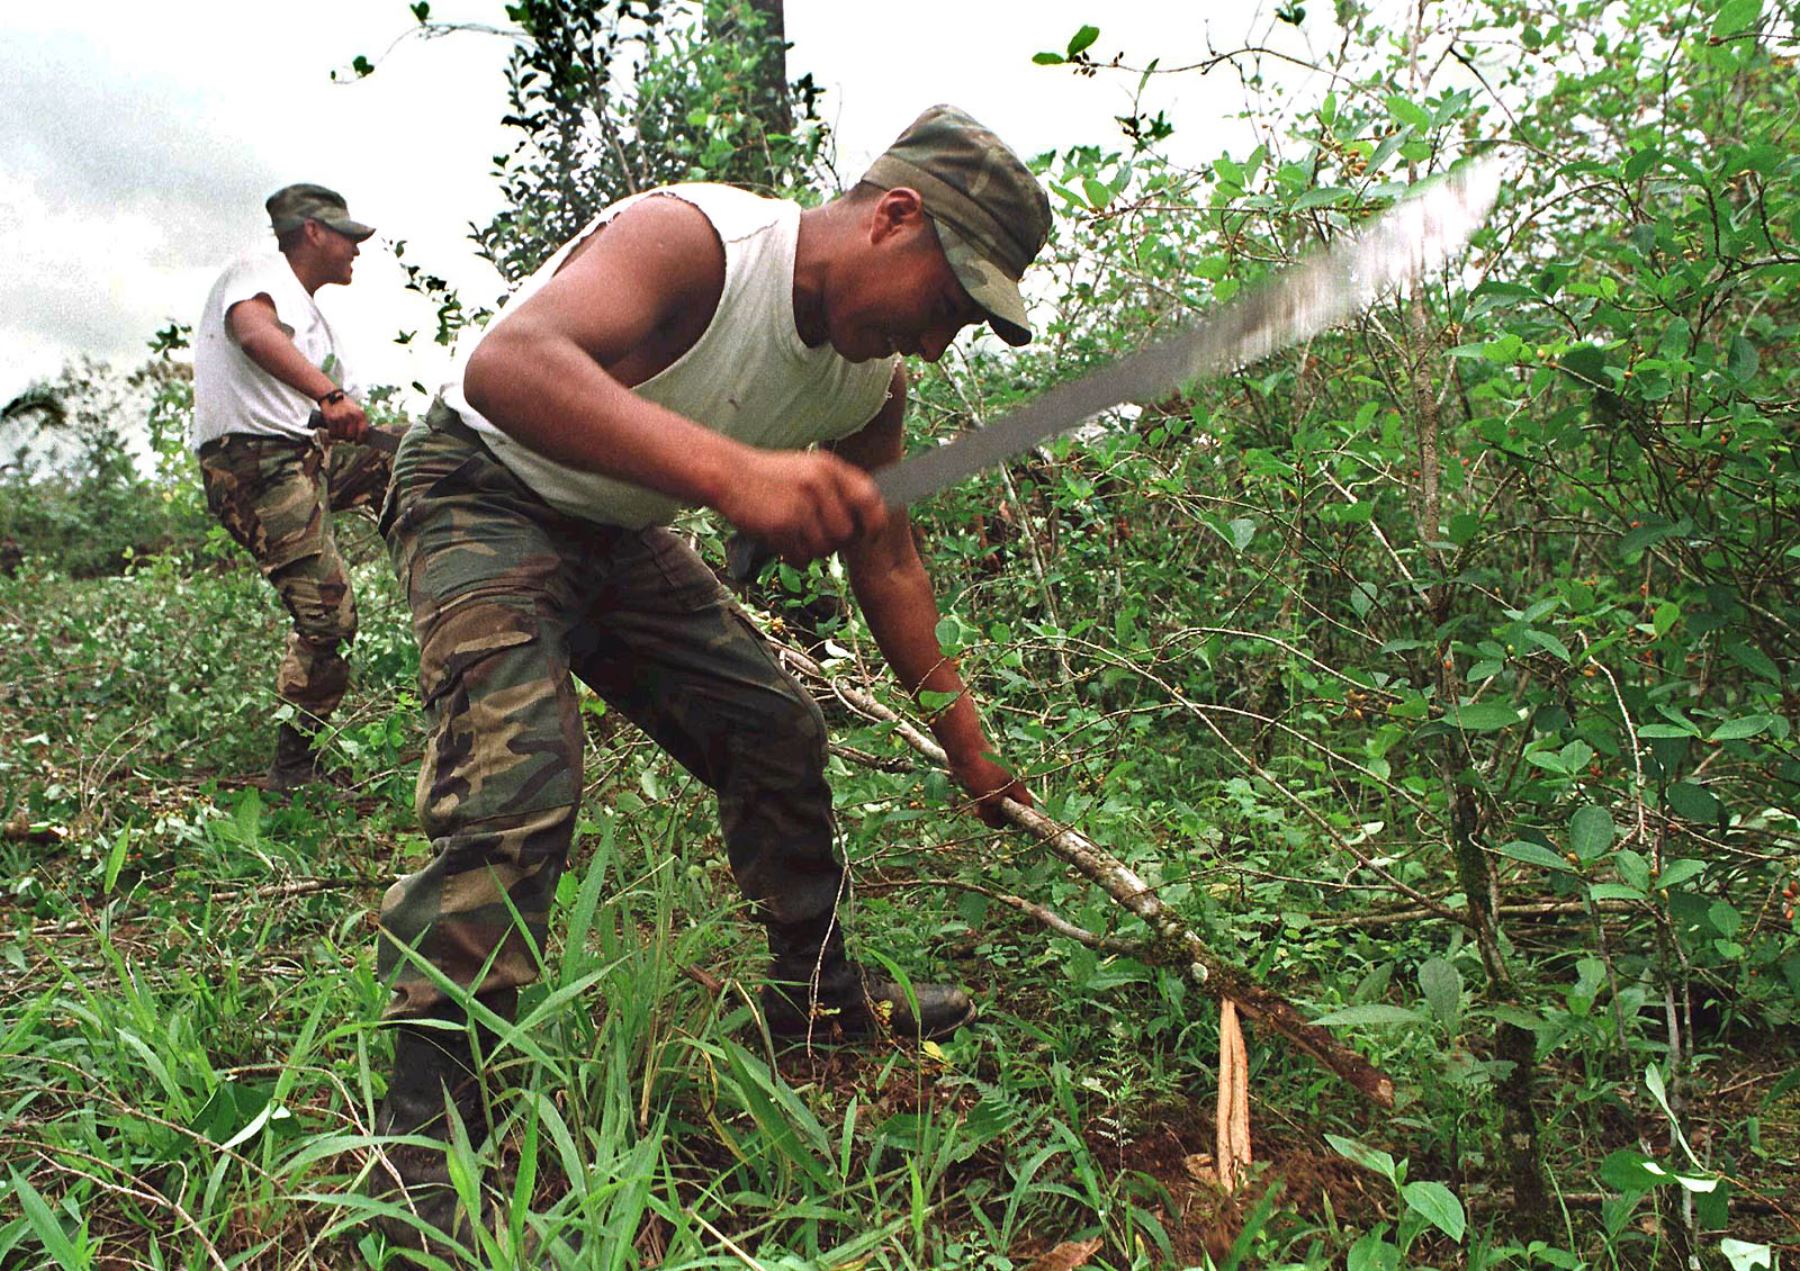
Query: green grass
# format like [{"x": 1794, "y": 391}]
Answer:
[{"x": 190, "y": 1060}]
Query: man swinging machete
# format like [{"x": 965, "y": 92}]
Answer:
[{"x": 685, "y": 349}]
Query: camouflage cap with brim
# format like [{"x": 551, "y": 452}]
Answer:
[
  {"x": 991, "y": 215},
  {"x": 293, "y": 205}
]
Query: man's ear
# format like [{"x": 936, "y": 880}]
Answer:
[{"x": 899, "y": 210}]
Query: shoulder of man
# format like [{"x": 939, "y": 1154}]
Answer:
[
  {"x": 734, "y": 212},
  {"x": 265, "y": 273}
]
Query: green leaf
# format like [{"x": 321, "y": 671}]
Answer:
[
  {"x": 1048, "y": 59},
  {"x": 1587, "y": 364},
  {"x": 1438, "y": 1205},
  {"x": 1386, "y": 149},
  {"x": 1083, "y": 40},
  {"x": 1744, "y": 360},
  {"x": 1640, "y": 162},
  {"x": 1238, "y": 532},
  {"x": 1632, "y": 545},
  {"x": 1754, "y": 660},
  {"x": 1482, "y": 717},
  {"x": 1740, "y": 728},
  {"x": 1759, "y": 158},
  {"x": 931, "y": 701},
  {"x": 1371, "y": 1014},
  {"x": 1373, "y": 1251},
  {"x": 1099, "y": 194},
  {"x": 115, "y": 860},
  {"x": 953, "y": 634},
  {"x": 1441, "y": 983},
  {"x": 1504, "y": 349},
  {"x": 1576, "y": 754},
  {"x": 1676, "y": 873},
  {"x": 1591, "y": 831},
  {"x": 1407, "y": 113},
  {"x": 46, "y": 1226},
  {"x": 1370, "y": 1158},
  {"x": 1544, "y": 640},
  {"x": 1320, "y": 196},
  {"x": 1634, "y": 871},
  {"x": 1632, "y": 1172},
  {"x": 1735, "y": 16},
  {"x": 1535, "y": 854},
  {"x": 1694, "y": 802},
  {"x": 1743, "y": 1255}
]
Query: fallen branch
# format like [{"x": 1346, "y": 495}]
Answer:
[
  {"x": 1522, "y": 909},
  {"x": 1172, "y": 944},
  {"x": 1053, "y": 921},
  {"x": 299, "y": 887}
]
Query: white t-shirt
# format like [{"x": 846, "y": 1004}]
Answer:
[
  {"x": 232, "y": 394},
  {"x": 749, "y": 376}
]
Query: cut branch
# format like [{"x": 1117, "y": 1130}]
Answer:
[{"x": 1172, "y": 943}]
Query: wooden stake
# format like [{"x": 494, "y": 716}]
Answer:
[{"x": 1233, "y": 1152}]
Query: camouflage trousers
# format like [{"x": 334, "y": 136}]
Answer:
[
  {"x": 509, "y": 598},
  {"x": 275, "y": 497}
]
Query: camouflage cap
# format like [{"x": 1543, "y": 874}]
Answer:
[
  {"x": 991, "y": 215},
  {"x": 293, "y": 205}
]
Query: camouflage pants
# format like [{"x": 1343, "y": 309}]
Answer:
[
  {"x": 510, "y": 597},
  {"x": 275, "y": 497}
]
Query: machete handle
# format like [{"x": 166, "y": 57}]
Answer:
[{"x": 376, "y": 438}]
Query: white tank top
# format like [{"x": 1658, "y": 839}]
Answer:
[{"x": 749, "y": 376}]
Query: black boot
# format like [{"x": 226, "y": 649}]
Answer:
[
  {"x": 430, "y": 1064},
  {"x": 816, "y": 993},
  {"x": 296, "y": 762}
]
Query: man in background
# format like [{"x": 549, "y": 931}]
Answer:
[{"x": 273, "y": 400}]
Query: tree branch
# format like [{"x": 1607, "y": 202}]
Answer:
[{"x": 1172, "y": 944}]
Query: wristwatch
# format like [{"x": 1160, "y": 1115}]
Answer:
[{"x": 332, "y": 398}]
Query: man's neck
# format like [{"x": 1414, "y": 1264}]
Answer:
[
  {"x": 298, "y": 262},
  {"x": 820, "y": 229}
]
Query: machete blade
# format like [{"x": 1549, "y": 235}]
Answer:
[{"x": 1418, "y": 233}]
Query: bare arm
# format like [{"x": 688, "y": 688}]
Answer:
[
  {"x": 896, "y": 596},
  {"x": 257, "y": 329},
  {"x": 555, "y": 375}
]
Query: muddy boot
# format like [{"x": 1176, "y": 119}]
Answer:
[
  {"x": 296, "y": 762},
  {"x": 816, "y": 993},
  {"x": 430, "y": 1064}
]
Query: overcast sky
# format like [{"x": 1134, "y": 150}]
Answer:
[{"x": 141, "y": 139}]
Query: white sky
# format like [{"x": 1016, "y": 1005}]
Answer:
[{"x": 141, "y": 139}]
